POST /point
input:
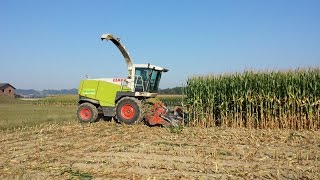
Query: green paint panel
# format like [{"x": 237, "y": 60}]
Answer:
[
  {"x": 104, "y": 92},
  {"x": 89, "y": 91}
]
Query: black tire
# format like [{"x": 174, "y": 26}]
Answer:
[
  {"x": 129, "y": 110},
  {"x": 87, "y": 113}
]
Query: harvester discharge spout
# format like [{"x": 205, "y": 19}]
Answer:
[{"x": 116, "y": 41}]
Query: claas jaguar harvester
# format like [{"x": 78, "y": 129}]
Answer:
[{"x": 125, "y": 98}]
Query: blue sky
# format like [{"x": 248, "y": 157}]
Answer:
[{"x": 54, "y": 44}]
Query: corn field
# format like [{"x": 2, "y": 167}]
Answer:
[
  {"x": 171, "y": 101},
  {"x": 64, "y": 100},
  {"x": 283, "y": 99}
]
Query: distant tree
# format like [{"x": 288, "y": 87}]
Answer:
[
  {"x": 175, "y": 90},
  {"x": 44, "y": 93}
]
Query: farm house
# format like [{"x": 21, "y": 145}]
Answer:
[{"x": 7, "y": 89}]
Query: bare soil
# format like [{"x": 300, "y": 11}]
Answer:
[{"x": 107, "y": 150}]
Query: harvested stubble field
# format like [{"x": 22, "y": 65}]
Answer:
[{"x": 106, "y": 150}]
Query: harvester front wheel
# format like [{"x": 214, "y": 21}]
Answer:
[
  {"x": 87, "y": 113},
  {"x": 129, "y": 110}
]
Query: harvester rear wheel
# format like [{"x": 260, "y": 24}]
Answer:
[
  {"x": 87, "y": 113},
  {"x": 129, "y": 110}
]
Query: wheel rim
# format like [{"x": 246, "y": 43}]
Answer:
[
  {"x": 127, "y": 111},
  {"x": 85, "y": 114}
]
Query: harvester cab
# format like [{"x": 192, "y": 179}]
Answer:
[
  {"x": 142, "y": 78},
  {"x": 124, "y": 98}
]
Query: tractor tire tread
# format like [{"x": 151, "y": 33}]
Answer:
[
  {"x": 93, "y": 109},
  {"x": 138, "y": 103}
]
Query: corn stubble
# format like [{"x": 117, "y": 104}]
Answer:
[{"x": 283, "y": 99}]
